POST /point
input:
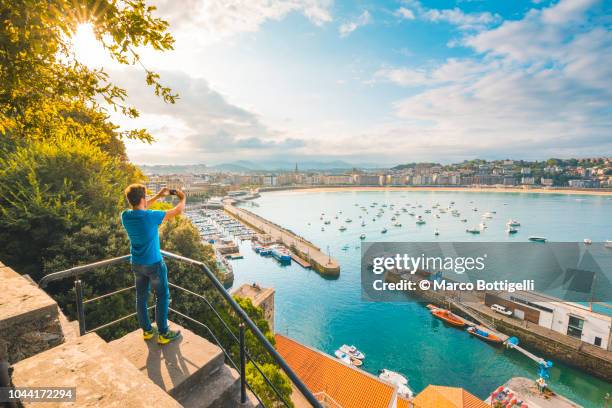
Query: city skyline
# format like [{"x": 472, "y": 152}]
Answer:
[{"x": 382, "y": 82}]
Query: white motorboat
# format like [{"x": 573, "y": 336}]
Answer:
[
  {"x": 436, "y": 232},
  {"x": 513, "y": 223},
  {"x": 342, "y": 228},
  {"x": 362, "y": 236},
  {"x": 511, "y": 230},
  {"x": 398, "y": 380},
  {"x": 343, "y": 357},
  {"x": 473, "y": 230},
  {"x": 487, "y": 215},
  {"x": 352, "y": 351},
  {"x": 588, "y": 241},
  {"x": 363, "y": 223},
  {"x": 398, "y": 224},
  {"x": 348, "y": 220},
  {"x": 537, "y": 239}
]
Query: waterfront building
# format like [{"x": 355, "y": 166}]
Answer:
[
  {"x": 369, "y": 179},
  {"x": 395, "y": 180},
  {"x": 270, "y": 180},
  {"x": 528, "y": 180},
  {"x": 436, "y": 396},
  {"x": 260, "y": 297},
  {"x": 570, "y": 319},
  {"x": 548, "y": 182},
  {"x": 338, "y": 179}
]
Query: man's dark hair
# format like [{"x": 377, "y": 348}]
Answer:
[{"x": 134, "y": 193}]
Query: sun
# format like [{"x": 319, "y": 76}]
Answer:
[{"x": 86, "y": 47}]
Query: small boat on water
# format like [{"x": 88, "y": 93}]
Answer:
[
  {"x": 281, "y": 254},
  {"x": 342, "y": 228},
  {"x": 265, "y": 251},
  {"x": 322, "y": 228},
  {"x": 588, "y": 241},
  {"x": 327, "y": 222},
  {"x": 464, "y": 220},
  {"x": 352, "y": 351},
  {"x": 473, "y": 230},
  {"x": 436, "y": 232},
  {"x": 513, "y": 223},
  {"x": 448, "y": 316},
  {"x": 511, "y": 230},
  {"x": 345, "y": 248},
  {"x": 427, "y": 211},
  {"x": 343, "y": 357},
  {"x": 363, "y": 223},
  {"x": 384, "y": 231},
  {"x": 398, "y": 224},
  {"x": 487, "y": 215},
  {"x": 362, "y": 236},
  {"x": 348, "y": 220},
  {"x": 420, "y": 220},
  {"x": 537, "y": 239},
  {"x": 483, "y": 334},
  {"x": 396, "y": 379}
]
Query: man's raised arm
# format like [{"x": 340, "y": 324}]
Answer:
[
  {"x": 162, "y": 193},
  {"x": 179, "y": 208}
]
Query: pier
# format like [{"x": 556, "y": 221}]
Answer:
[{"x": 309, "y": 253}]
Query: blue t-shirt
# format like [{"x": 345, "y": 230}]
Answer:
[{"x": 141, "y": 227}]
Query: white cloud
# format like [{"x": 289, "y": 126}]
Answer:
[
  {"x": 537, "y": 86},
  {"x": 200, "y": 127},
  {"x": 350, "y": 26},
  {"x": 405, "y": 13},
  {"x": 455, "y": 16},
  {"x": 212, "y": 20}
]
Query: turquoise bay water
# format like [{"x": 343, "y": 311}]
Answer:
[{"x": 404, "y": 337}]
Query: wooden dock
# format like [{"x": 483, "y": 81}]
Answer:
[{"x": 300, "y": 261}]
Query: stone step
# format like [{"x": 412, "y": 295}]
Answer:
[
  {"x": 102, "y": 377},
  {"x": 176, "y": 366},
  {"x": 221, "y": 390}
]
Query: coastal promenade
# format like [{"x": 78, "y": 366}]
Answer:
[{"x": 320, "y": 261}]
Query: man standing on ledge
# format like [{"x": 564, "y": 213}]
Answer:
[{"x": 148, "y": 265}]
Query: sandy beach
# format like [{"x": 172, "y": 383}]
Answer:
[{"x": 459, "y": 189}]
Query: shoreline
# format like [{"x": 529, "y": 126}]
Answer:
[{"x": 508, "y": 190}]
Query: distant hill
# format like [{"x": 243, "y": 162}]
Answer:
[
  {"x": 246, "y": 166},
  {"x": 174, "y": 168},
  {"x": 334, "y": 165}
]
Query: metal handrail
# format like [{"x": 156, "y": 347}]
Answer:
[{"x": 245, "y": 319}]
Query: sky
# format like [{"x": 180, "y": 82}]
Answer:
[{"x": 383, "y": 82}]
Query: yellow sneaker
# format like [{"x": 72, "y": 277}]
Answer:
[
  {"x": 148, "y": 335},
  {"x": 168, "y": 336}
]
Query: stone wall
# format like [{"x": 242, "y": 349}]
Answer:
[{"x": 29, "y": 318}]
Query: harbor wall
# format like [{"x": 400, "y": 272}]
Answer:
[
  {"x": 319, "y": 261},
  {"x": 552, "y": 345}
]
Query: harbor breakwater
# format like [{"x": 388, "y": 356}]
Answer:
[
  {"x": 553, "y": 345},
  {"x": 306, "y": 250}
]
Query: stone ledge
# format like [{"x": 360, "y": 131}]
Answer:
[
  {"x": 22, "y": 300},
  {"x": 102, "y": 377},
  {"x": 29, "y": 318}
]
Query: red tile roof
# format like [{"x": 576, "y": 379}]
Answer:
[
  {"x": 436, "y": 396},
  {"x": 349, "y": 387}
]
